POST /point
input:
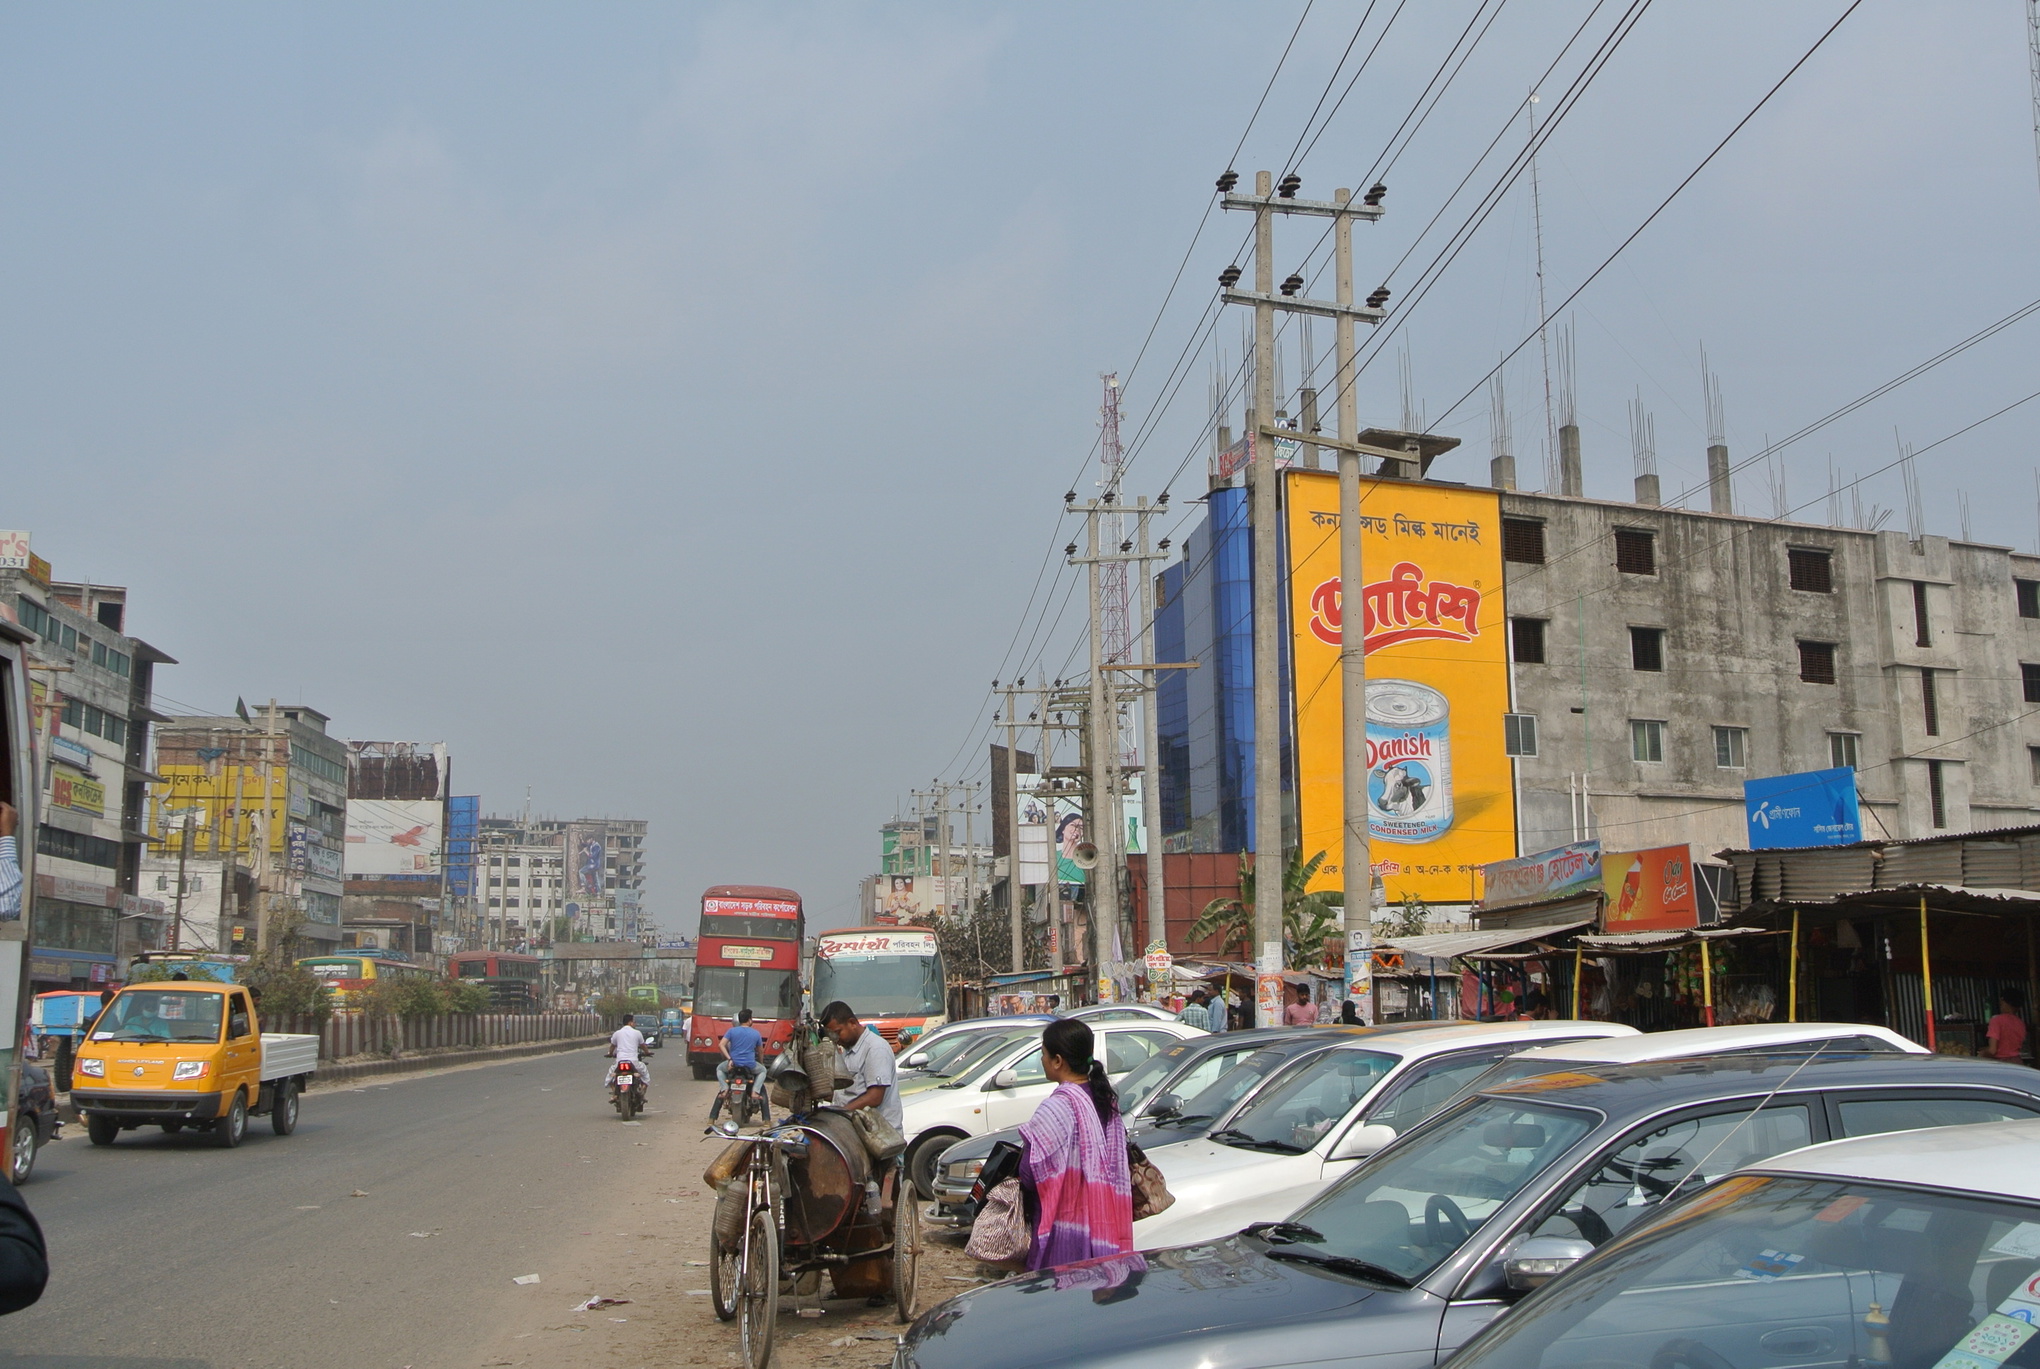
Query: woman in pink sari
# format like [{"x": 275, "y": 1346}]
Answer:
[{"x": 1075, "y": 1170}]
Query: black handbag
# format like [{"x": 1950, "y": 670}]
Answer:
[{"x": 1002, "y": 1164}]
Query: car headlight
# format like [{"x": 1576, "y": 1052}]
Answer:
[
  {"x": 191, "y": 1069},
  {"x": 966, "y": 1169},
  {"x": 95, "y": 1068}
]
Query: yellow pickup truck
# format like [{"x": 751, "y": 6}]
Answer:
[{"x": 179, "y": 1054}]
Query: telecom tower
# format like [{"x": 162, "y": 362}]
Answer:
[{"x": 1115, "y": 603}]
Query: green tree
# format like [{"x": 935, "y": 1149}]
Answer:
[
  {"x": 1310, "y": 922},
  {"x": 464, "y": 996},
  {"x": 288, "y": 991},
  {"x": 407, "y": 998},
  {"x": 617, "y": 1007}
]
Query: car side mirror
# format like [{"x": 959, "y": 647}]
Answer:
[
  {"x": 1541, "y": 1259},
  {"x": 1164, "y": 1107},
  {"x": 1004, "y": 1079},
  {"x": 916, "y": 1060},
  {"x": 1363, "y": 1141}
]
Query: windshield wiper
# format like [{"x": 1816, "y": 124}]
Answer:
[
  {"x": 1190, "y": 1120},
  {"x": 1233, "y": 1136},
  {"x": 1285, "y": 1233},
  {"x": 1342, "y": 1264}
]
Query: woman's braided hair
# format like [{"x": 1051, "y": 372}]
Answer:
[{"x": 1071, "y": 1042}]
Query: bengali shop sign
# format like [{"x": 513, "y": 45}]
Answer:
[{"x": 1557, "y": 873}]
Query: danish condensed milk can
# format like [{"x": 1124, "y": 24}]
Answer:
[{"x": 1409, "y": 761}]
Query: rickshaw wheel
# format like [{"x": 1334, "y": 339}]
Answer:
[
  {"x": 906, "y": 1253},
  {"x": 722, "y": 1278},
  {"x": 758, "y": 1291}
]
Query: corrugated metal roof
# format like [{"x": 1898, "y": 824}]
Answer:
[
  {"x": 1664, "y": 941},
  {"x": 1446, "y": 945}
]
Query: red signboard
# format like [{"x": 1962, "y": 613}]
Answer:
[{"x": 1650, "y": 891}]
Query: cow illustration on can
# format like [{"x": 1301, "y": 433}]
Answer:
[{"x": 1409, "y": 761}]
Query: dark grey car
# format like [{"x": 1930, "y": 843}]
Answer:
[{"x": 1402, "y": 1261}]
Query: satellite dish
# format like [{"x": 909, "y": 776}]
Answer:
[{"x": 1085, "y": 857}]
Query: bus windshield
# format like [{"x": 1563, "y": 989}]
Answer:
[
  {"x": 767, "y": 993},
  {"x": 881, "y": 985}
]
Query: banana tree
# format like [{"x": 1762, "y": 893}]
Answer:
[{"x": 1310, "y": 922}]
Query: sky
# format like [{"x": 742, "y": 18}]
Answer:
[{"x": 669, "y": 407}]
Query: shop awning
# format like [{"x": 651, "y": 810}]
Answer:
[
  {"x": 1448, "y": 945},
  {"x": 1634, "y": 943}
]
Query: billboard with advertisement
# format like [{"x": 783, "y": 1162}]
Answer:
[
  {"x": 1813, "y": 808},
  {"x": 1441, "y": 790},
  {"x": 587, "y": 854},
  {"x": 394, "y": 838},
  {"x": 80, "y": 793},
  {"x": 1651, "y": 891},
  {"x": 1049, "y": 822},
  {"x": 1557, "y": 873}
]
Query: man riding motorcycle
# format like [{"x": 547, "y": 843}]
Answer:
[
  {"x": 628, "y": 1043},
  {"x": 740, "y": 1045}
]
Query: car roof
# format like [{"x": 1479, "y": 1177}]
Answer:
[
  {"x": 180, "y": 986},
  {"x": 1986, "y": 1157},
  {"x": 1647, "y": 1088},
  {"x": 1439, "y": 1038},
  {"x": 1668, "y": 1045}
]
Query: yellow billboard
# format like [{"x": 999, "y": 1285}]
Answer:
[{"x": 1441, "y": 790}]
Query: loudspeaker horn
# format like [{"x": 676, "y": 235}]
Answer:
[{"x": 1085, "y": 857}]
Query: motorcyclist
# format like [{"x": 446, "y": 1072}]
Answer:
[
  {"x": 740, "y": 1050},
  {"x": 628, "y": 1043}
]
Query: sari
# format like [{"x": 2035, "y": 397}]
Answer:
[{"x": 1076, "y": 1167}]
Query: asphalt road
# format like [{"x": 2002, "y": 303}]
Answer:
[{"x": 170, "y": 1254}]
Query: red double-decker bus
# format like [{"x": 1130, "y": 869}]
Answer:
[{"x": 748, "y": 956}]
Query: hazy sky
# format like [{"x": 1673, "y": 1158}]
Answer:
[{"x": 669, "y": 406}]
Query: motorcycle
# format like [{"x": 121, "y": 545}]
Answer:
[
  {"x": 740, "y": 1095},
  {"x": 627, "y": 1089}
]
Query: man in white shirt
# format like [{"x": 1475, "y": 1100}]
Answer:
[
  {"x": 628, "y": 1043},
  {"x": 868, "y": 1060}
]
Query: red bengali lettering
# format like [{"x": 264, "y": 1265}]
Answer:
[{"x": 1403, "y": 608}]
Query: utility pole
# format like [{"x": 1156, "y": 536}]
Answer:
[
  {"x": 183, "y": 859},
  {"x": 1267, "y": 201},
  {"x": 1150, "y": 746},
  {"x": 1014, "y": 914},
  {"x": 1356, "y": 875},
  {"x": 1102, "y": 740}
]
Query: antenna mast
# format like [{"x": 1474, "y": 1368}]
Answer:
[{"x": 1551, "y": 474}]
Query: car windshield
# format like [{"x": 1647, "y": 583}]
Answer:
[
  {"x": 139, "y": 1015},
  {"x": 983, "y": 1056},
  {"x": 943, "y": 1052},
  {"x": 1762, "y": 1271},
  {"x": 1300, "y": 1107},
  {"x": 1409, "y": 1209},
  {"x": 1215, "y": 1098},
  {"x": 1142, "y": 1080}
]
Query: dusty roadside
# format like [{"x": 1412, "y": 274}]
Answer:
[{"x": 649, "y": 1245}]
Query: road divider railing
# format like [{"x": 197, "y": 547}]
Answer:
[{"x": 348, "y": 1036}]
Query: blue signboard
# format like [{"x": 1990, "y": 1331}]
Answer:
[{"x": 1815, "y": 808}]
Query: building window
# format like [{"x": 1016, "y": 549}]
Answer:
[
  {"x": 1519, "y": 734},
  {"x": 2030, "y": 674},
  {"x": 66, "y": 845},
  {"x": 1635, "y": 551},
  {"x": 1810, "y": 570},
  {"x": 1922, "y": 634},
  {"x": 1523, "y": 540},
  {"x": 1732, "y": 748},
  {"x": 1930, "y": 703},
  {"x": 1817, "y": 662},
  {"x": 1646, "y": 740},
  {"x": 1646, "y": 648},
  {"x": 2029, "y": 597},
  {"x": 2033, "y": 761},
  {"x": 510, "y": 902},
  {"x": 1937, "y": 794},
  {"x": 1842, "y": 749},
  {"x": 495, "y": 903}
]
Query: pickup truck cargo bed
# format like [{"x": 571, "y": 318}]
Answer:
[{"x": 287, "y": 1053}]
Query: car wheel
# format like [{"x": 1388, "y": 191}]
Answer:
[
  {"x": 22, "y": 1147},
  {"x": 283, "y": 1111},
  {"x": 228, "y": 1131},
  {"x": 924, "y": 1157}
]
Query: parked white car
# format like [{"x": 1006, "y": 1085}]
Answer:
[
  {"x": 1914, "y": 1248},
  {"x": 1005, "y": 1088},
  {"x": 1756, "y": 1038},
  {"x": 1308, "y": 1125}
]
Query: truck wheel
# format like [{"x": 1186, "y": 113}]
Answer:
[
  {"x": 228, "y": 1131},
  {"x": 21, "y": 1147},
  {"x": 702, "y": 1072},
  {"x": 283, "y": 1111},
  {"x": 102, "y": 1130}
]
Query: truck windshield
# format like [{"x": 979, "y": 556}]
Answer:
[{"x": 139, "y": 1015}]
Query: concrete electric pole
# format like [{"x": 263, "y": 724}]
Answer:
[
  {"x": 1015, "y": 914},
  {"x": 1269, "y": 856}
]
